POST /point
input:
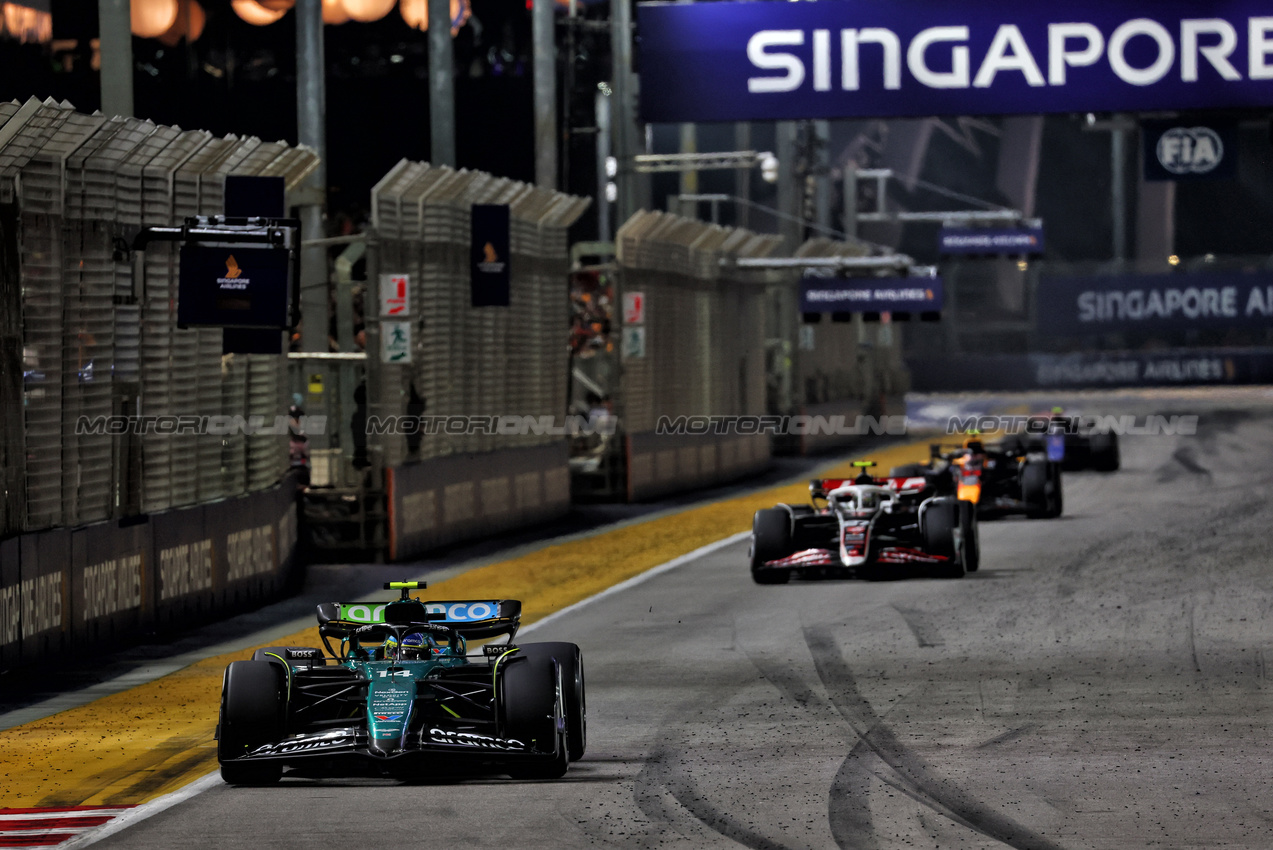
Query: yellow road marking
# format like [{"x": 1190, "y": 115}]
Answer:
[{"x": 131, "y": 747}]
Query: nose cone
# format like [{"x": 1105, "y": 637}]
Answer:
[{"x": 390, "y": 701}]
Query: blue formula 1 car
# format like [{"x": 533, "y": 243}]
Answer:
[{"x": 401, "y": 695}]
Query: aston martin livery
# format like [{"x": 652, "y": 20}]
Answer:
[
  {"x": 866, "y": 525},
  {"x": 397, "y": 692}
]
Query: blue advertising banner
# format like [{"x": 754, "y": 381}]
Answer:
[
  {"x": 1101, "y": 304},
  {"x": 747, "y": 61},
  {"x": 1185, "y": 149},
  {"x": 870, "y": 295},
  {"x": 986, "y": 240}
]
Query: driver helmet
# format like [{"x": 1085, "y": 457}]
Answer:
[
  {"x": 418, "y": 645},
  {"x": 973, "y": 442}
]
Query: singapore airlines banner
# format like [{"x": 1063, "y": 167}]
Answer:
[{"x": 736, "y": 61}]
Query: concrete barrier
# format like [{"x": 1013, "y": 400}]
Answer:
[
  {"x": 446, "y": 499},
  {"x": 95, "y": 586}
]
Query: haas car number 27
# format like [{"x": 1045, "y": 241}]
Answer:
[{"x": 866, "y": 525}]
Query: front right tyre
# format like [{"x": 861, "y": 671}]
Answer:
[
  {"x": 770, "y": 540},
  {"x": 252, "y": 706}
]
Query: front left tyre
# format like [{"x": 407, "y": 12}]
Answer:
[{"x": 252, "y": 705}]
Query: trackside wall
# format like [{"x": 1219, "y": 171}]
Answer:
[{"x": 80, "y": 590}]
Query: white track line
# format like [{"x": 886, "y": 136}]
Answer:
[
  {"x": 145, "y": 810},
  {"x": 154, "y": 807},
  {"x": 638, "y": 579}
]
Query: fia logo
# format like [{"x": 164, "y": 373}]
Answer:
[{"x": 1190, "y": 150}]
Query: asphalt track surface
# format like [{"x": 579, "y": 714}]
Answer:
[{"x": 1103, "y": 681}]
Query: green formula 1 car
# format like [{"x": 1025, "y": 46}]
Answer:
[{"x": 401, "y": 695}]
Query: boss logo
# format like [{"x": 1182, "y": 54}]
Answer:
[
  {"x": 1190, "y": 150},
  {"x": 302, "y": 653}
]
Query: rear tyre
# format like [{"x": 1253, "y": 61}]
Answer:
[
  {"x": 574, "y": 700},
  {"x": 534, "y": 715},
  {"x": 252, "y": 706},
  {"x": 1041, "y": 489},
  {"x": 770, "y": 540},
  {"x": 972, "y": 536},
  {"x": 941, "y": 518},
  {"x": 1104, "y": 452}
]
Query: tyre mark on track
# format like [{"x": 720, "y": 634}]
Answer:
[
  {"x": 916, "y": 777},
  {"x": 848, "y": 809},
  {"x": 922, "y": 626},
  {"x": 660, "y": 770}
]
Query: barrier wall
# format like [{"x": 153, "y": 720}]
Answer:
[
  {"x": 85, "y": 589},
  {"x": 659, "y": 464},
  {"x": 443, "y": 500}
]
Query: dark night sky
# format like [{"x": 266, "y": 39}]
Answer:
[{"x": 240, "y": 79}]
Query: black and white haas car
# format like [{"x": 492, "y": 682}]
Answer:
[{"x": 866, "y": 526}]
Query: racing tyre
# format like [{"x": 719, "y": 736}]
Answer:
[
  {"x": 574, "y": 700},
  {"x": 251, "y": 715},
  {"x": 1041, "y": 489},
  {"x": 941, "y": 518},
  {"x": 533, "y": 714},
  {"x": 972, "y": 536},
  {"x": 1103, "y": 452},
  {"x": 770, "y": 540}
]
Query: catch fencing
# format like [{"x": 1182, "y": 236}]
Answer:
[
  {"x": 92, "y": 326},
  {"x": 692, "y": 343},
  {"x": 115, "y": 521},
  {"x": 479, "y": 363}
]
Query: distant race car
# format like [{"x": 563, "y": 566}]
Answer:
[
  {"x": 1073, "y": 442},
  {"x": 1000, "y": 477},
  {"x": 402, "y": 696},
  {"x": 865, "y": 525}
]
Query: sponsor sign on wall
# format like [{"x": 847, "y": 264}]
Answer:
[
  {"x": 991, "y": 240},
  {"x": 490, "y": 246},
  {"x": 870, "y": 295},
  {"x": 1100, "y": 304},
  {"x": 1183, "y": 149},
  {"x": 243, "y": 286},
  {"x": 996, "y": 372},
  {"x": 742, "y": 61}
]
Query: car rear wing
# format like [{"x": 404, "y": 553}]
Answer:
[{"x": 471, "y": 618}]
